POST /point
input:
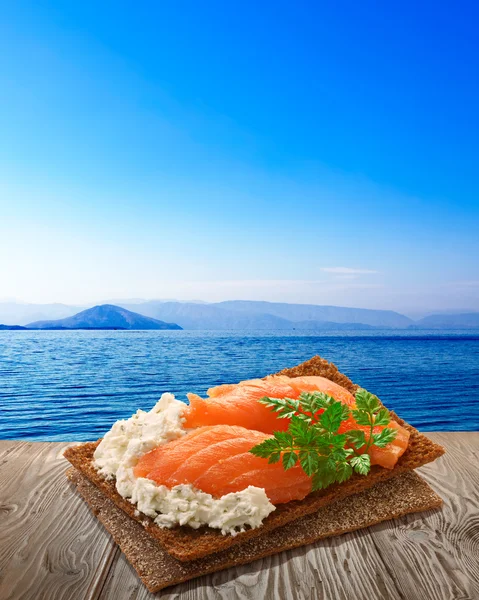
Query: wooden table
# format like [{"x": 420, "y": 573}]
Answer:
[{"x": 51, "y": 546}]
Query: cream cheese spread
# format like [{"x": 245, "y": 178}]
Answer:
[
  {"x": 121, "y": 448},
  {"x": 129, "y": 439},
  {"x": 184, "y": 505}
]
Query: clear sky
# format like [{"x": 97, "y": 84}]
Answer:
[{"x": 300, "y": 151}]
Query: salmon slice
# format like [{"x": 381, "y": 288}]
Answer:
[
  {"x": 228, "y": 469},
  {"x": 221, "y": 390},
  {"x": 239, "y": 471},
  {"x": 232, "y": 409},
  {"x": 202, "y": 460},
  {"x": 238, "y": 405},
  {"x": 167, "y": 462},
  {"x": 247, "y": 412},
  {"x": 279, "y": 491},
  {"x": 217, "y": 460},
  {"x": 388, "y": 456},
  {"x": 147, "y": 461},
  {"x": 311, "y": 383}
]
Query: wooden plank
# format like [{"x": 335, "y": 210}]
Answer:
[
  {"x": 451, "y": 540},
  {"x": 436, "y": 556},
  {"x": 50, "y": 546}
]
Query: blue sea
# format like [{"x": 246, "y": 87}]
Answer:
[{"x": 72, "y": 385}]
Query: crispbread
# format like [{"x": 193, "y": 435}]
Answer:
[
  {"x": 157, "y": 569},
  {"x": 185, "y": 543}
]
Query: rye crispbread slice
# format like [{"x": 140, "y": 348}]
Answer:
[
  {"x": 185, "y": 543},
  {"x": 391, "y": 499}
]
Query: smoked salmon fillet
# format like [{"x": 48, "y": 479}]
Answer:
[
  {"x": 239, "y": 405},
  {"x": 217, "y": 460}
]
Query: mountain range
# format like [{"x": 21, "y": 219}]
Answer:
[
  {"x": 250, "y": 315},
  {"x": 228, "y": 315},
  {"x": 448, "y": 321}
]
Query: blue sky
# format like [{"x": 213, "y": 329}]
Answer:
[{"x": 308, "y": 152}]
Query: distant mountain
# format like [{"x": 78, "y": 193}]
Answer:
[
  {"x": 229, "y": 315},
  {"x": 208, "y": 316},
  {"x": 448, "y": 321},
  {"x": 244, "y": 315},
  {"x": 331, "y": 326},
  {"x": 104, "y": 316},
  {"x": 16, "y": 313},
  {"x": 12, "y": 328},
  {"x": 251, "y": 315},
  {"x": 313, "y": 312}
]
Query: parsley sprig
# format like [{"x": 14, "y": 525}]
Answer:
[{"x": 313, "y": 440}]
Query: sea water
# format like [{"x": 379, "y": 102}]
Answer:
[{"x": 72, "y": 385}]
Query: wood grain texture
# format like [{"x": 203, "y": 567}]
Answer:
[
  {"x": 52, "y": 547},
  {"x": 41, "y": 554}
]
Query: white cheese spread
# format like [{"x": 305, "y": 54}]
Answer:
[
  {"x": 121, "y": 448},
  {"x": 127, "y": 440},
  {"x": 183, "y": 505}
]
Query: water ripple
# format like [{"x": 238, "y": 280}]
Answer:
[{"x": 59, "y": 385}]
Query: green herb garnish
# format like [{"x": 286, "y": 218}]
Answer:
[{"x": 313, "y": 439}]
